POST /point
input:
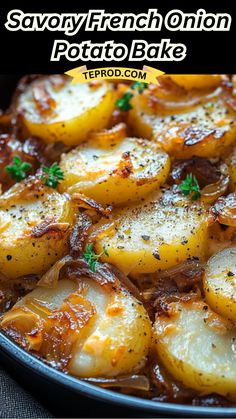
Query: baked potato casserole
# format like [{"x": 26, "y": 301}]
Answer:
[{"x": 118, "y": 232}]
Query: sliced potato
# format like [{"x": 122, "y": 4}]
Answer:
[
  {"x": 197, "y": 346},
  {"x": 99, "y": 333},
  {"x": 185, "y": 125},
  {"x": 220, "y": 283},
  {"x": 220, "y": 238},
  {"x": 232, "y": 169},
  {"x": 165, "y": 230},
  {"x": 35, "y": 223},
  {"x": 116, "y": 172},
  {"x": 55, "y": 110},
  {"x": 196, "y": 81}
]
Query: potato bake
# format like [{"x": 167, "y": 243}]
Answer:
[{"x": 118, "y": 232}]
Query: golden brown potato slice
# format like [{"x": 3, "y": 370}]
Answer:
[
  {"x": 84, "y": 330},
  {"x": 220, "y": 238},
  {"x": 35, "y": 223},
  {"x": 231, "y": 161},
  {"x": 196, "y": 81},
  {"x": 161, "y": 232},
  {"x": 185, "y": 124},
  {"x": 219, "y": 283},
  {"x": 116, "y": 171},
  {"x": 197, "y": 346},
  {"x": 54, "y": 110}
]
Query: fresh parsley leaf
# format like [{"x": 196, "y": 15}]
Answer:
[
  {"x": 52, "y": 175},
  {"x": 17, "y": 170},
  {"x": 91, "y": 258},
  {"x": 105, "y": 251},
  {"x": 190, "y": 186},
  {"x": 139, "y": 85},
  {"x": 209, "y": 105},
  {"x": 124, "y": 102}
]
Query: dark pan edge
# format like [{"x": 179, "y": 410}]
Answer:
[{"x": 31, "y": 363}]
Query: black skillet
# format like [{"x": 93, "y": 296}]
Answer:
[{"x": 67, "y": 396}]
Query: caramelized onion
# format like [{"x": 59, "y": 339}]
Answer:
[
  {"x": 137, "y": 382},
  {"x": 77, "y": 268},
  {"x": 13, "y": 289},
  {"x": 79, "y": 235},
  {"x": 113, "y": 134},
  {"x": 50, "y": 332},
  {"x": 38, "y": 306},
  {"x": 128, "y": 284},
  {"x": 88, "y": 203},
  {"x": 74, "y": 269},
  {"x": 105, "y": 275},
  {"x": 53, "y": 151},
  {"x": 48, "y": 227},
  {"x": 213, "y": 179},
  {"x": 160, "y": 380},
  {"x": 212, "y": 191},
  {"x": 73, "y": 266},
  {"x": 185, "y": 274},
  {"x": 205, "y": 171},
  {"x": 178, "y": 282},
  {"x": 224, "y": 210},
  {"x": 179, "y": 102},
  {"x": 51, "y": 277},
  {"x": 24, "y": 326},
  {"x": 24, "y": 317}
]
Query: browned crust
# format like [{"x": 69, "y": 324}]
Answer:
[
  {"x": 43, "y": 101},
  {"x": 79, "y": 235},
  {"x": 195, "y": 135},
  {"x": 88, "y": 203},
  {"x": 50, "y": 228},
  {"x": 125, "y": 166}
]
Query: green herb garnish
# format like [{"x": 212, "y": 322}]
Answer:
[
  {"x": 209, "y": 105},
  {"x": 91, "y": 258},
  {"x": 139, "y": 85},
  {"x": 52, "y": 175},
  {"x": 17, "y": 170},
  {"x": 190, "y": 186},
  {"x": 124, "y": 102}
]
